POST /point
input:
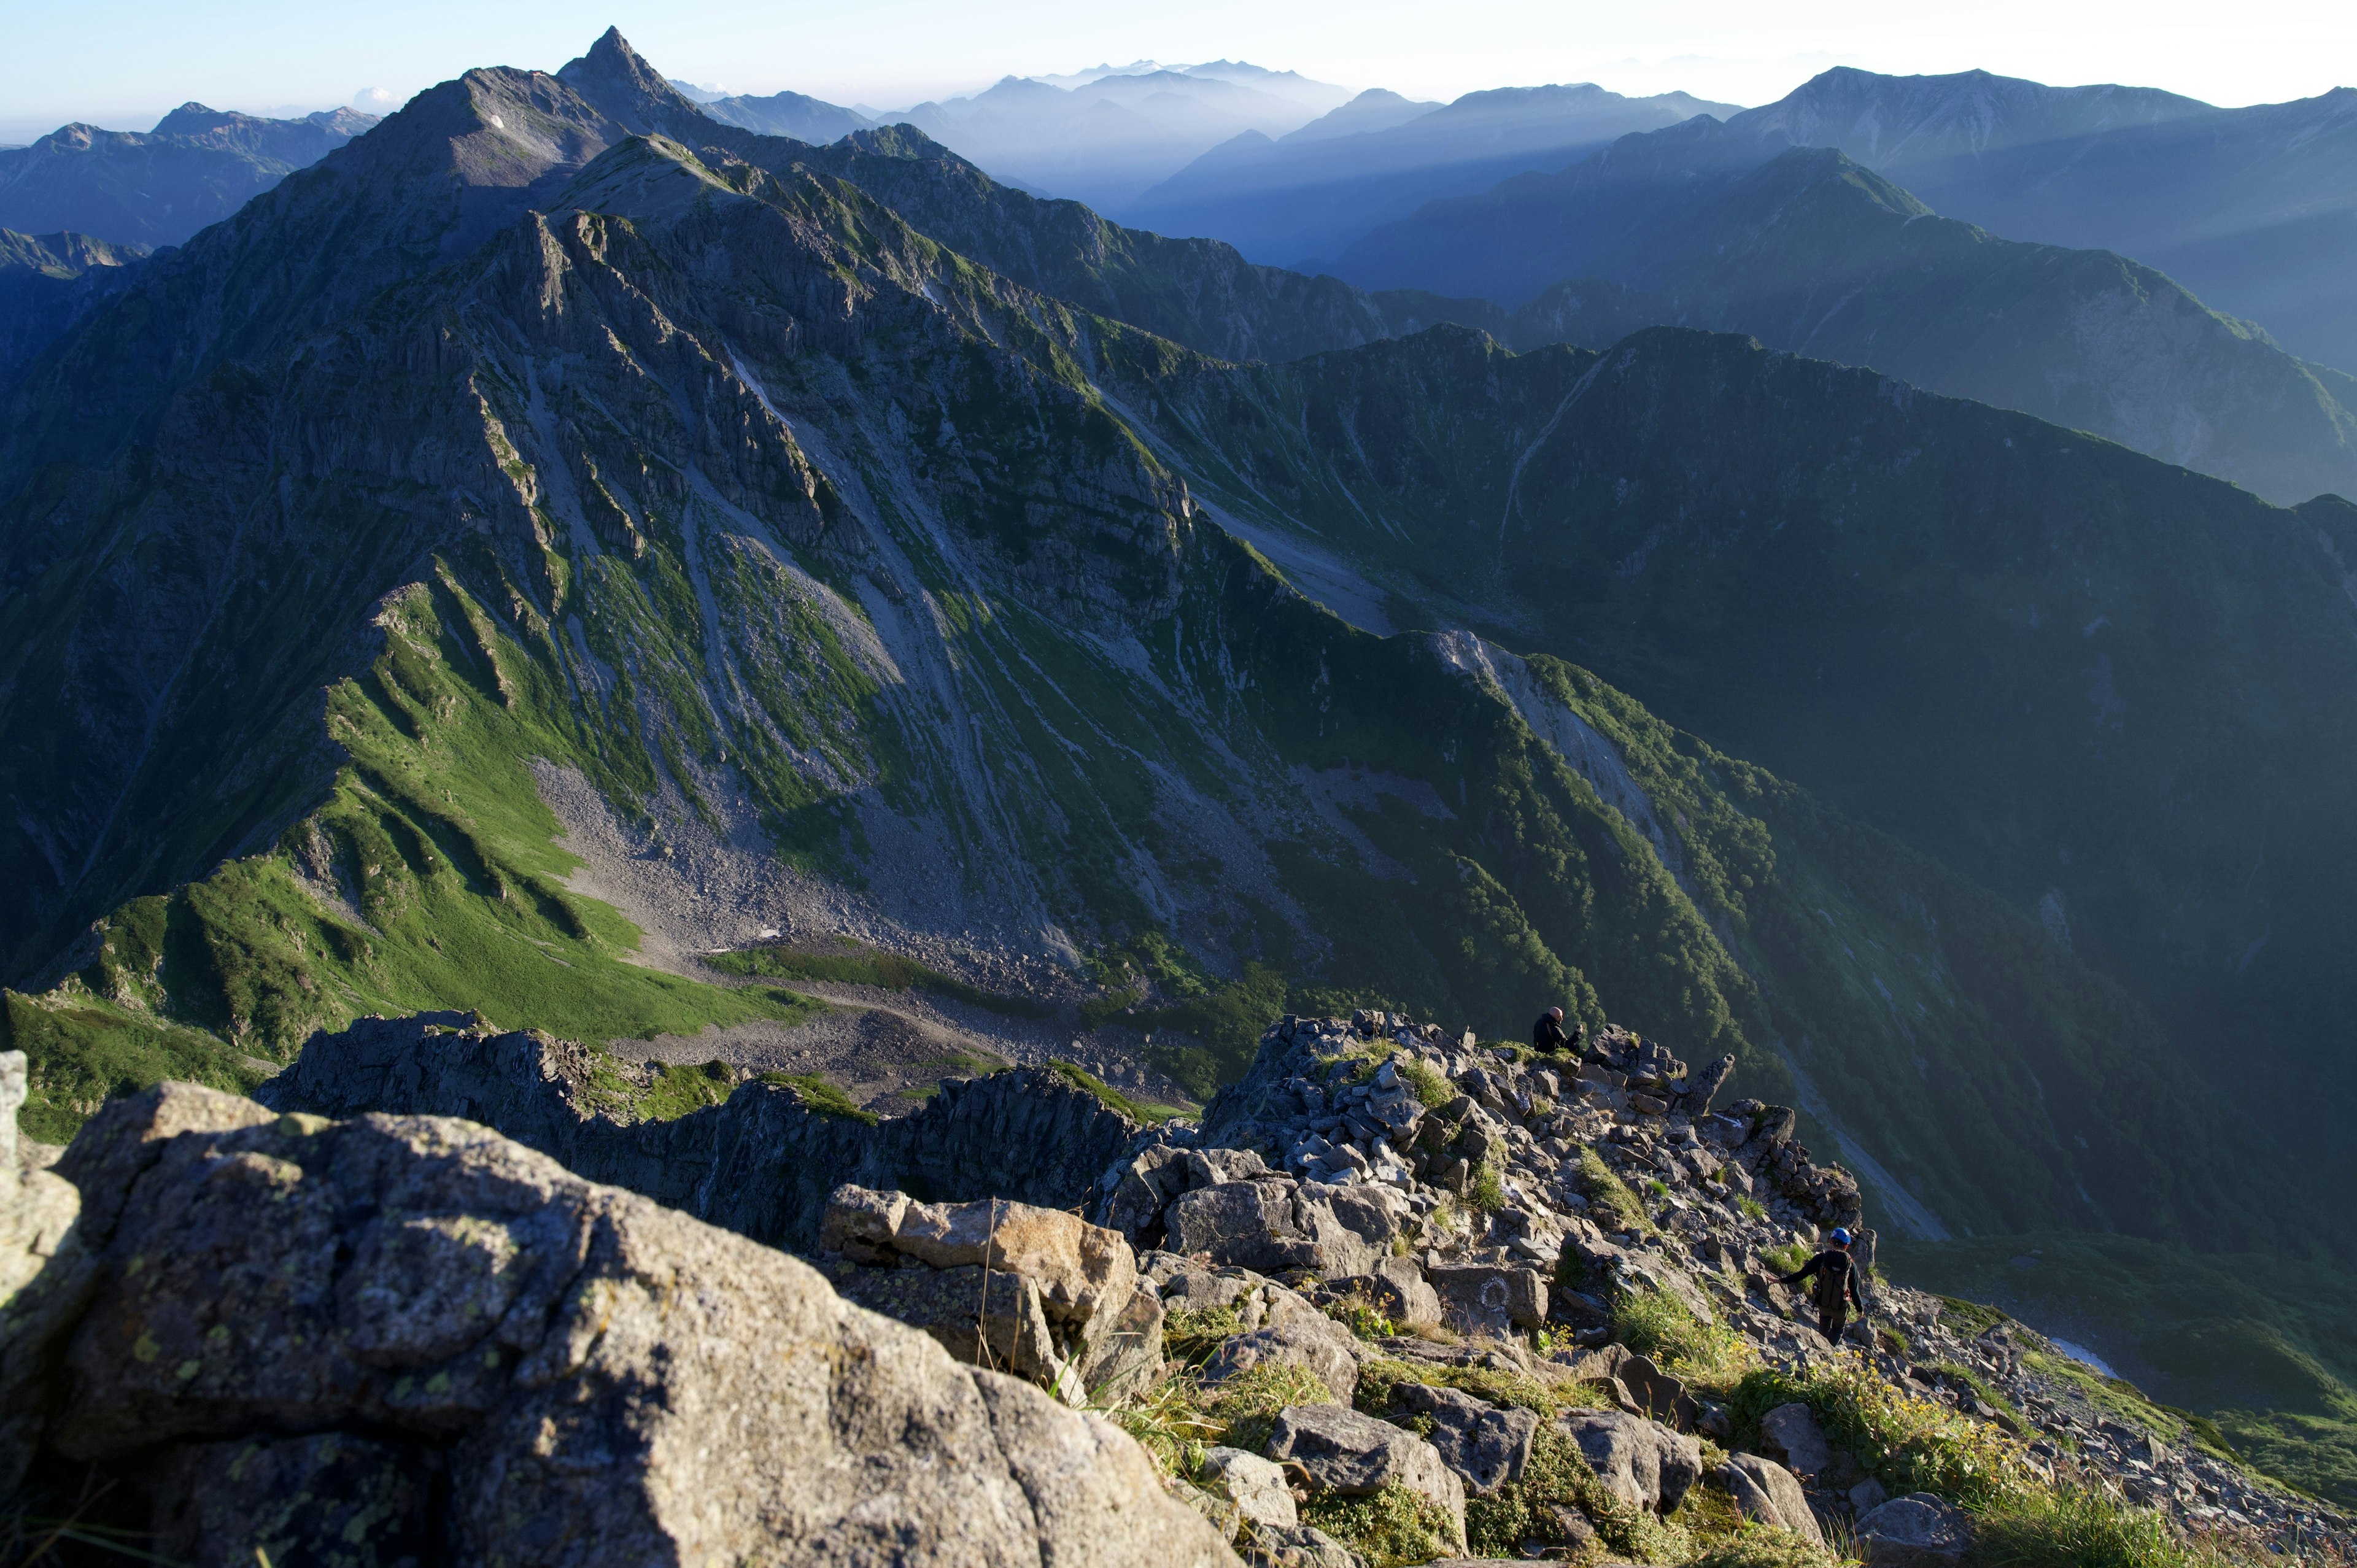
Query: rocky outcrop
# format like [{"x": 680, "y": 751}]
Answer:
[
  {"x": 761, "y": 1165},
  {"x": 1764, "y": 1491},
  {"x": 1036, "y": 1291},
  {"x": 293, "y": 1326}
]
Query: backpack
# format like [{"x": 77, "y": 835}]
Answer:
[{"x": 1832, "y": 1279}]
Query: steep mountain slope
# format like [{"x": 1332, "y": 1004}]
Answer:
[
  {"x": 157, "y": 188},
  {"x": 1812, "y": 254},
  {"x": 2108, "y": 690},
  {"x": 1311, "y": 193},
  {"x": 46, "y": 282},
  {"x": 2250, "y": 207}
]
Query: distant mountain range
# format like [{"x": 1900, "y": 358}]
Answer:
[
  {"x": 1106, "y": 139},
  {"x": 2254, "y": 210},
  {"x": 49, "y": 280},
  {"x": 157, "y": 188},
  {"x": 1306, "y": 195},
  {"x": 1813, "y": 254}
]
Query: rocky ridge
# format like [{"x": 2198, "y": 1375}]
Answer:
[{"x": 1396, "y": 1269}]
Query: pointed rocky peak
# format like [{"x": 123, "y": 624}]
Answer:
[
  {"x": 616, "y": 79},
  {"x": 190, "y": 119}
]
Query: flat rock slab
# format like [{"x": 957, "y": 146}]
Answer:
[
  {"x": 1641, "y": 1461},
  {"x": 1342, "y": 1451}
]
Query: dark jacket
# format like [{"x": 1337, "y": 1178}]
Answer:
[
  {"x": 1548, "y": 1035},
  {"x": 1836, "y": 1273}
]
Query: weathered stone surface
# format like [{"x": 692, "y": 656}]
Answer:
[
  {"x": 610, "y": 1382},
  {"x": 1080, "y": 1269},
  {"x": 1658, "y": 1394},
  {"x": 1257, "y": 1486},
  {"x": 1918, "y": 1530},
  {"x": 1765, "y": 1491},
  {"x": 1705, "y": 1085},
  {"x": 1483, "y": 1298},
  {"x": 1310, "y": 1340},
  {"x": 1398, "y": 1290},
  {"x": 1246, "y": 1224},
  {"x": 330, "y": 1498},
  {"x": 1790, "y": 1434},
  {"x": 1485, "y": 1445},
  {"x": 982, "y": 1319},
  {"x": 1128, "y": 1354},
  {"x": 45, "y": 1276},
  {"x": 1342, "y": 1451},
  {"x": 1641, "y": 1461},
  {"x": 1303, "y": 1546},
  {"x": 860, "y": 1224}
]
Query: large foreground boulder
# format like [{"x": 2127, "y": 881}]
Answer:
[
  {"x": 297, "y": 1324},
  {"x": 1641, "y": 1461}
]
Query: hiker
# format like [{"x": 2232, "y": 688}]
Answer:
[
  {"x": 1836, "y": 1287},
  {"x": 1548, "y": 1035}
]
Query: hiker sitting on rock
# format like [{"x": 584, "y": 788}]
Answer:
[
  {"x": 1836, "y": 1287},
  {"x": 1548, "y": 1035}
]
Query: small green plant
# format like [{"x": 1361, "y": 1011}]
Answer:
[
  {"x": 1908, "y": 1442},
  {"x": 1487, "y": 1191},
  {"x": 820, "y": 1096},
  {"x": 1763, "y": 1546},
  {"x": 1168, "y": 1421},
  {"x": 1111, "y": 1097},
  {"x": 1383, "y": 1375},
  {"x": 1786, "y": 1258},
  {"x": 1193, "y": 1335},
  {"x": 1558, "y": 1475},
  {"x": 1655, "y": 1187},
  {"x": 681, "y": 1089},
  {"x": 1358, "y": 1314},
  {"x": 1431, "y": 1090},
  {"x": 1390, "y": 1529},
  {"x": 1654, "y": 1322},
  {"x": 1752, "y": 1209},
  {"x": 2074, "y": 1528},
  {"x": 1615, "y": 1206},
  {"x": 1246, "y": 1405}
]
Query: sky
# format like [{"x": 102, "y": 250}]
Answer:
[{"x": 122, "y": 65}]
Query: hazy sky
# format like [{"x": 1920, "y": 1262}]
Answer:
[{"x": 123, "y": 64}]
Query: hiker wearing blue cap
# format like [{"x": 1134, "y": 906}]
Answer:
[{"x": 1836, "y": 1287}]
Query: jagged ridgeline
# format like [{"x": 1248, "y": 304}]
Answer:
[{"x": 551, "y": 429}]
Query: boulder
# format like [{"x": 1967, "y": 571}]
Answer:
[
  {"x": 1342, "y": 1451},
  {"x": 1487, "y": 1447},
  {"x": 593, "y": 1377},
  {"x": 1398, "y": 1290},
  {"x": 1311, "y": 1340},
  {"x": 1918, "y": 1530},
  {"x": 1257, "y": 1486},
  {"x": 1136, "y": 1188},
  {"x": 1303, "y": 1546},
  {"x": 1641, "y": 1461},
  {"x": 1658, "y": 1394},
  {"x": 1128, "y": 1355},
  {"x": 1765, "y": 1491},
  {"x": 1079, "y": 1270},
  {"x": 1483, "y": 1298},
  {"x": 1705, "y": 1085},
  {"x": 1790, "y": 1434},
  {"x": 1246, "y": 1224},
  {"x": 46, "y": 1276}
]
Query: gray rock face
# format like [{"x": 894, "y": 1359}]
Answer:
[
  {"x": 1765, "y": 1491},
  {"x": 1487, "y": 1447},
  {"x": 1243, "y": 1224},
  {"x": 1641, "y": 1461},
  {"x": 1398, "y": 1288},
  {"x": 1309, "y": 1339},
  {"x": 1917, "y": 1530},
  {"x": 1790, "y": 1433},
  {"x": 1480, "y": 1298},
  {"x": 46, "y": 1274},
  {"x": 1343, "y": 1450},
  {"x": 762, "y": 1165},
  {"x": 1257, "y": 1486},
  {"x": 605, "y": 1380}
]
